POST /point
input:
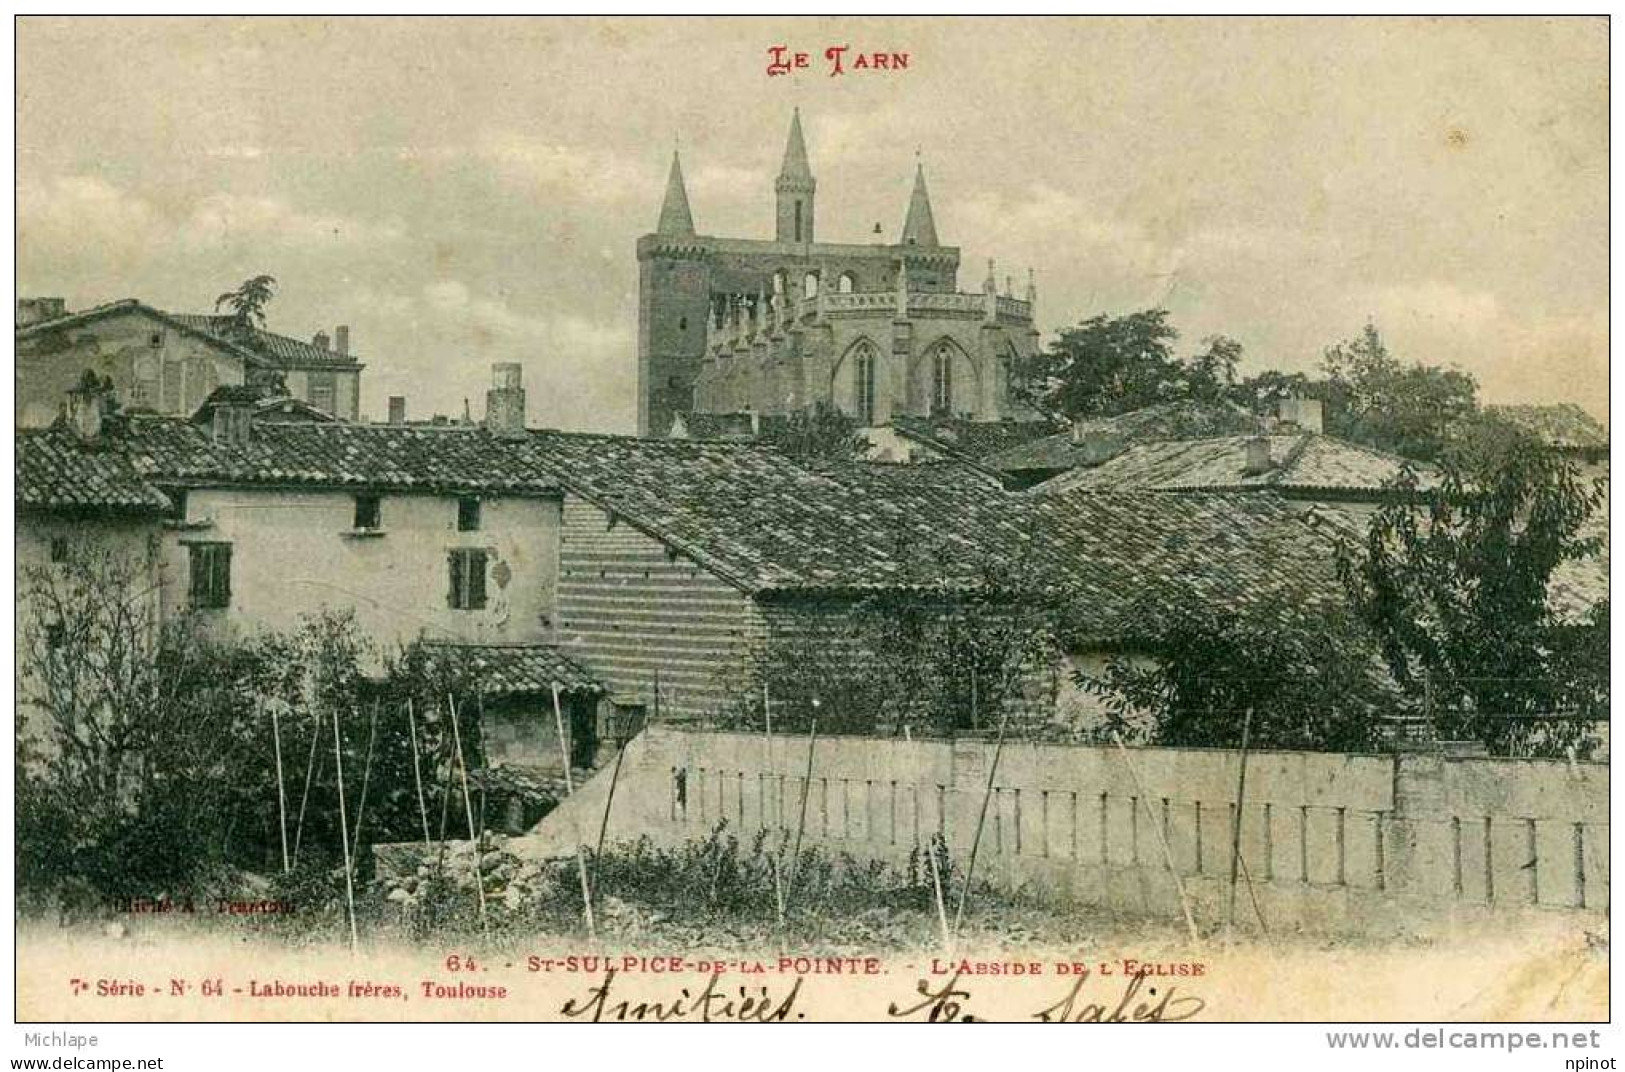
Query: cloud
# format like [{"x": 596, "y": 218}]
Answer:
[
  {"x": 84, "y": 216},
  {"x": 224, "y": 218}
]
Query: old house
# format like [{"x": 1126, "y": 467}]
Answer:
[{"x": 170, "y": 363}]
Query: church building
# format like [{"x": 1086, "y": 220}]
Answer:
[{"x": 772, "y": 326}]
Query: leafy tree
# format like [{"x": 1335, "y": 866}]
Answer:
[
  {"x": 1308, "y": 684},
  {"x": 1109, "y": 365},
  {"x": 822, "y": 432},
  {"x": 1378, "y": 400},
  {"x": 247, "y": 304},
  {"x": 1456, "y": 592}
]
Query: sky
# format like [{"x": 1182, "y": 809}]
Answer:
[{"x": 463, "y": 192}]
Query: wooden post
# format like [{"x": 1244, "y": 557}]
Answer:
[
  {"x": 570, "y": 791},
  {"x": 1235, "y": 821},
  {"x": 936, "y": 878},
  {"x": 1162, "y": 839},
  {"x": 609, "y": 799},
  {"x": 468, "y": 806},
  {"x": 417, "y": 772},
  {"x": 981, "y": 818},
  {"x": 772, "y": 770},
  {"x": 801, "y": 823},
  {"x": 344, "y": 829},
  {"x": 281, "y": 791},
  {"x": 310, "y": 774},
  {"x": 366, "y": 778}
]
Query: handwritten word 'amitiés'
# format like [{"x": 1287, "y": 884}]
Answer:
[
  {"x": 713, "y": 1003},
  {"x": 838, "y": 60}
]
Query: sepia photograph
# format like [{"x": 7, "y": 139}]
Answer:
[{"x": 806, "y": 519}]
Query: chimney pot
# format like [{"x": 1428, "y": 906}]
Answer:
[
  {"x": 88, "y": 405},
  {"x": 505, "y": 401},
  {"x": 397, "y": 409},
  {"x": 341, "y": 339},
  {"x": 1257, "y": 461},
  {"x": 319, "y": 340}
]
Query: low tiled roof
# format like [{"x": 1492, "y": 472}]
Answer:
[
  {"x": 55, "y": 469},
  {"x": 1165, "y": 420},
  {"x": 971, "y": 439},
  {"x": 1565, "y": 426},
  {"x": 267, "y": 402},
  {"x": 386, "y": 457},
  {"x": 283, "y": 351},
  {"x": 519, "y": 669},
  {"x": 1299, "y": 463},
  {"x": 263, "y": 348}
]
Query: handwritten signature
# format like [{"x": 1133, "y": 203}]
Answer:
[
  {"x": 713, "y": 1004},
  {"x": 950, "y": 1002}
]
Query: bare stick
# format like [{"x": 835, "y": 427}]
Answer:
[
  {"x": 366, "y": 778},
  {"x": 468, "y": 806},
  {"x": 570, "y": 791},
  {"x": 981, "y": 818},
  {"x": 281, "y": 790},
  {"x": 344, "y": 829},
  {"x": 310, "y": 774},
  {"x": 772, "y": 768},
  {"x": 417, "y": 772},
  {"x": 603, "y": 824},
  {"x": 1235, "y": 824},
  {"x": 936, "y": 876},
  {"x": 1167, "y": 853},
  {"x": 801, "y": 823}
]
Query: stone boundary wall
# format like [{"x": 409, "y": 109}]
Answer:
[{"x": 1329, "y": 842}]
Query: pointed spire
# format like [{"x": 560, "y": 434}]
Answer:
[
  {"x": 919, "y": 228},
  {"x": 675, "y": 217},
  {"x": 795, "y": 166}
]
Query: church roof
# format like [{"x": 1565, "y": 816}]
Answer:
[
  {"x": 675, "y": 217},
  {"x": 919, "y": 228},
  {"x": 795, "y": 166}
]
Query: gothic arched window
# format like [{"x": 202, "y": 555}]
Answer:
[
  {"x": 863, "y": 383},
  {"x": 942, "y": 380},
  {"x": 809, "y": 285},
  {"x": 845, "y": 284}
]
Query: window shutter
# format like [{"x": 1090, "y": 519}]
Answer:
[
  {"x": 222, "y": 563},
  {"x": 451, "y": 591},
  {"x": 476, "y": 579},
  {"x": 199, "y": 575}
]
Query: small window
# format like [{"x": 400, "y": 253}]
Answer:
[
  {"x": 156, "y": 340},
  {"x": 211, "y": 574},
  {"x": 467, "y": 590},
  {"x": 59, "y": 548},
  {"x": 468, "y": 514},
  {"x": 682, "y": 323},
  {"x": 368, "y": 512}
]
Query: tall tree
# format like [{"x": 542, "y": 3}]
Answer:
[
  {"x": 1456, "y": 593},
  {"x": 1112, "y": 364},
  {"x": 1374, "y": 398},
  {"x": 247, "y": 303}
]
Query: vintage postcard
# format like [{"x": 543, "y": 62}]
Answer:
[{"x": 808, "y": 519}]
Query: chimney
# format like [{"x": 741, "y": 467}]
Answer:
[
  {"x": 341, "y": 339},
  {"x": 319, "y": 340},
  {"x": 397, "y": 409},
  {"x": 233, "y": 422},
  {"x": 1306, "y": 414},
  {"x": 88, "y": 404},
  {"x": 37, "y": 310},
  {"x": 505, "y": 401},
  {"x": 1257, "y": 460},
  {"x": 1093, "y": 445}
]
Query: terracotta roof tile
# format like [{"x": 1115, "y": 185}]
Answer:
[
  {"x": 55, "y": 469},
  {"x": 520, "y": 669}
]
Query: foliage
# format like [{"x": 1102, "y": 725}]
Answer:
[
  {"x": 934, "y": 656},
  {"x": 1456, "y": 594},
  {"x": 247, "y": 303},
  {"x": 1307, "y": 682},
  {"x": 1382, "y": 402},
  {"x": 1112, "y": 364},
  {"x": 822, "y": 431}
]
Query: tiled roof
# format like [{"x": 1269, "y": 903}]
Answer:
[
  {"x": 55, "y": 469},
  {"x": 1564, "y": 426},
  {"x": 283, "y": 351},
  {"x": 1166, "y": 420},
  {"x": 387, "y": 457},
  {"x": 265, "y": 348},
  {"x": 1578, "y": 584},
  {"x": 971, "y": 439},
  {"x": 1299, "y": 463},
  {"x": 268, "y": 404},
  {"x": 734, "y": 427},
  {"x": 519, "y": 669}
]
